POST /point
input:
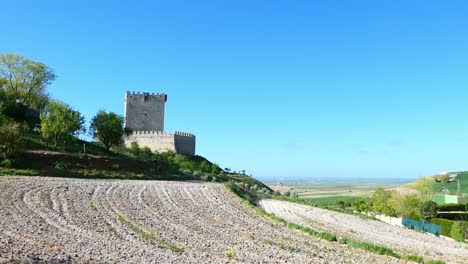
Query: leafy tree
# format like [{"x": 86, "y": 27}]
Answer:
[
  {"x": 379, "y": 202},
  {"x": 61, "y": 123},
  {"x": 361, "y": 205},
  {"x": 108, "y": 128},
  {"x": 406, "y": 205},
  {"x": 428, "y": 210},
  {"x": 10, "y": 140},
  {"x": 26, "y": 79}
]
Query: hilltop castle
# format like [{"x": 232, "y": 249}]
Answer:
[{"x": 144, "y": 115}]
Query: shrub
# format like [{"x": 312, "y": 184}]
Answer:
[
  {"x": 135, "y": 149},
  {"x": 62, "y": 165},
  {"x": 10, "y": 140},
  {"x": 6, "y": 163},
  {"x": 458, "y": 231},
  {"x": 445, "y": 225},
  {"x": 145, "y": 153},
  {"x": 115, "y": 166}
]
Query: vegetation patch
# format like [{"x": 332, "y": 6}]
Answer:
[
  {"x": 369, "y": 247},
  {"x": 92, "y": 205},
  {"x": 413, "y": 258},
  {"x": 230, "y": 253},
  {"x": 149, "y": 235}
]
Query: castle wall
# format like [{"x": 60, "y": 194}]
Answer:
[
  {"x": 144, "y": 111},
  {"x": 185, "y": 143},
  {"x": 158, "y": 141}
]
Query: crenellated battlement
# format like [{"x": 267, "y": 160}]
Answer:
[
  {"x": 177, "y": 133},
  {"x": 160, "y": 97}
]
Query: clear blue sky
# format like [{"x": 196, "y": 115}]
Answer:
[{"x": 278, "y": 88}]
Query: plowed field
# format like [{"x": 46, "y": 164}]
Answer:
[{"x": 104, "y": 221}]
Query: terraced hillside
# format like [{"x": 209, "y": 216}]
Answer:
[
  {"x": 75, "y": 220},
  {"x": 406, "y": 241}
]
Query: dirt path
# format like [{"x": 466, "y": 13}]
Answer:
[
  {"x": 107, "y": 221},
  {"x": 399, "y": 239}
]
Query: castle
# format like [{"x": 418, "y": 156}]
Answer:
[{"x": 144, "y": 115}]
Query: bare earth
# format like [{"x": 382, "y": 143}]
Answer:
[
  {"x": 399, "y": 239},
  {"x": 103, "y": 221}
]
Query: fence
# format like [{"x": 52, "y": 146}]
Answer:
[{"x": 417, "y": 225}]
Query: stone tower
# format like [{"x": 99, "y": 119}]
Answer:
[
  {"x": 144, "y": 115},
  {"x": 145, "y": 111}
]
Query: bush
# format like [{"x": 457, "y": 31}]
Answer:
[
  {"x": 445, "y": 225},
  {"x": 135, "y": 149},
  {"x": 62, "y": 165},
  {"x": 458, "y": 230},
  {"x": 10, "y": 140},
  {"x": 6, "y": 163},
  {"x": 145, "y": 153}
]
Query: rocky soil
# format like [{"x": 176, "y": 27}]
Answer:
[
  {"x": 104, "y": 221},
  {"x": 399, "y": 239}
]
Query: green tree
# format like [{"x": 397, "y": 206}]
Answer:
[
  {"x": 379, "y": 202},
  {"x": 10, "y": 140},
  {"x": 428, "y": 210},
  {"x": 361, "y": 205},
  {"x": 406, "y": 205},
  {"x": 26, "y": 80},
  {"x": 61, "y": 123},
  {"x": 108, "y": 128}
]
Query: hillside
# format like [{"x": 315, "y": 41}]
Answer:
[
  {"x": 438, "y": 183},
  {"x": 37, "y": 158}
]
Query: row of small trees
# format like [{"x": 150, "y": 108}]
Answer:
[
  {"x": 392, "y": 203},
  {"x": 23, "y": 85}
]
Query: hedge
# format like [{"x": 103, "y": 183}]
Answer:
[
  {"x": 453, "y": 229},
  {"x": 454, "y": 216},
  {"x": 452, "y": 207},
  {"x": 445, "y": 225}
]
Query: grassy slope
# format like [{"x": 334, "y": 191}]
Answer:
[
  {"x": 439, "y": 186},
  {"x": 39, "y": 159}
]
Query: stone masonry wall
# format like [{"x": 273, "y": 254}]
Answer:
[{"x": 158, "y": 141}]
